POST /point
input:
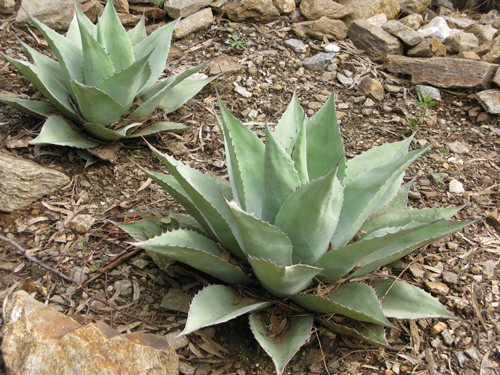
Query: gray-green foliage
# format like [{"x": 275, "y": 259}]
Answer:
[
  {"x": 105, "y": 81},
  {"x": 301, "y": 221}
]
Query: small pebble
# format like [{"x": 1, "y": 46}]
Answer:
[
  {"x": 438, "y": 288},
  {"x": 438, "y": 328}
]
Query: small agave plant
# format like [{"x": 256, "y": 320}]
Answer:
[
  {"x": 305, "y": 224},
  {"x": 104, "y": 80}
]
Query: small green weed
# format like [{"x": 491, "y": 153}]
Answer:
[
  {"x": 424, "y": 104},
  {"x": 236, "y": 42}
]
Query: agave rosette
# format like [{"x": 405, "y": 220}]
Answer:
[
  {"x": 105, "y": 80},
  {"x": 291, "y": 216}
]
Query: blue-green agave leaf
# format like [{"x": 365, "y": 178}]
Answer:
[
  {"x": 398, "y": 203},
  {"x": 354, "y": 300},
  {"x": 289, "y": 124},
  {"x": 87, "y": 156},
  {"x": 363, "y": 192},
  {"x": 44, "y": 62},
  {"x": 283, "y": 281},
  {"x": 178, "y": 95},
  {"x": 57, "y": 131},
  {"x": 73, "y": 33},
  {"x": 101, "y": 132},
  {"x": 32, "y": 107},
  {"x": 114, "y": 38},
  {"x": 405, "y": 301},
  {"x": 197, "y": 251},
  {"x": 218, "y": 304},
  {"x": 158, "y": 128},
  {"x": 324, "y": 142},
  {"x": 260, "y": 239},
  {"x": 245, "y": 162},
  {"x": 299, "y": 155},
  {"x": 95, "y": 105},
  {"x": 138, "y": 33},
  {"x": 309, "y": 217},
  {"x": 371, "y": 333},
  {"x": 282, "y": 349},
  {"x": 280, "y": 177}
]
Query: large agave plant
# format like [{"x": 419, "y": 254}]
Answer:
[
  {"x": 104, "y": 80},
  {"x": 305, "y": 224}
]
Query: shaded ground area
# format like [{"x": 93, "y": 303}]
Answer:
[{"x": 466, "y": 142}]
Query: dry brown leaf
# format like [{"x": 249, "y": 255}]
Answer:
[{"x": 195, "y": 351}]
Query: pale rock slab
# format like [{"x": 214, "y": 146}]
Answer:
[
  {"x": 458, "y": 22},
  {"x": 375, "y": 41},
  {"x": 485, "y": 33},
  {"x": 121, "y": 6},
  {"x": 24, "y": 181},
  {"x": 297, "y": 45},
  {"x": 200, "y": 20},
  {"x": 490, "y": 100},
  {"x": 493, "y": 55},
  {"x": 362, "y": 9},
  {"x": 40, "y": 340},
  {"x": 318, "y": 29},
  {"x": 409, "y": 36},
  {"x": 7, "y": 6},
  {"x": 184, "y": 8},
  {"x": 129, "y": 20},
  {"x": 413, "y": 6},
  {"x": 429, "y": 47},
  {"x": 437, "y": 27},
  {"x": 378, "y": 19},
  {"x": 319, "y": 61},
  {"x": 257, "y": 10},
  {"x": 413, "y": 21},
  {"x": 461, "y": 42},
  {"x": 284, "y": 6},
  {"x": 315, "y": 9}
]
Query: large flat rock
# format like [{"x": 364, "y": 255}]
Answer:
[{"x": 444, "y": 72}]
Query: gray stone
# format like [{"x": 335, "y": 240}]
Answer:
[
  {"x": 346, "y": 81},
  {"x": 124, "y": 287},
  {"x": 425, "y": 91},
  {"x": 140, "y": 263},
  {"x": 39, "y": 340},
  {"x": 492, "y": 54},
  {"x": 489, "y": 269},
  {"x": 319, "y": 61},
  {"x": 363, "y": 9},
  {"x": 81, "y": 223},
  {"x": 7, "y": 6},
  {"x": 413, "y": 21},
  {"x": 315, "y": 9},
  {"x": 176, "y": 300},
  {"x": 458, "y": 147},
  {"x": 458, "y": 22},
  {"x": 443, "y": 3},
  {"x": 240, "y": 90},
  {"x": 472, "y": 353},
  {"x": 378, "y": 19},
  {"x": 456, "y": 187},
  {"x": 177, "y": 342},
  {"x": 297, "y": 45},
  {"x": 409, "y": 36},
  {"x": 258, "y": 10},
  {"x": 184, "y": 8},
  {"x": 447, "y": 337},
  {"x": 485, "y": 33},
  {"x": 376, "y": 42},
  {"x": 437, "y": 27},
  {"x": 461, "y": 42},
  {"x": 490, "y": 100},
  {"x": 23, "y": 181},
  {"x": 461, "y": 357},
  {"x": 80, "y": 274},
  {"x": 413, "y": 6},
  {"x": 200, "y": 20},
  {"x": 429, "y": 47},
  {"x": 450, "y": 277},
  {"x": 320, "y": 29}
]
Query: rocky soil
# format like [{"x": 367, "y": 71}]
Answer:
[{"x": 260, "y": 71}]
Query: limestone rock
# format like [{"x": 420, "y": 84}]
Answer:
[
  {"x": 23, "y": 181},
  {"x": 496, "y": 79},
  {"x": 493, "y": 56},
  {"x": 376, "y": 42},
  {"x": 200, "y": 20},
  {"x": 81, "y": 223},
  {"x": 492, "y": 18},
  {"x": 184, "y": 8},
  {"x": 413, "y": 6},
  {"x": 427, "y": 48},
  {"x": 284, "y": 6},
  {"x": 297, "y": 45},
  {"x": 121, "y": 6},
  {"x": 458, "y": 22},
  {"x": 485, "y": 33},
  {"x": 324, "y": 27},
  {"x": 437, "y": 27},
  {"x": 413, "y": 21},
  {"x": 315, "y": 9},
  {"x": 257, "y": 10},
  {"x": 371, "y": 87},
  {"x": 362, "y": 9},
  {"x": 428, "y": 91},
  {"x": 7, "y": 6},
  {"x": 152, "y": 13},
  {"x": 319, "y": 61},
  {"x": 129, "y": 20},
  {"x": 409, "y": 36},
  {"x": 490, "y": 100},
  {"x": 40, "y": 340},
  {"x": 461, "y": 42},
  {"x": 453, "y": 73},
  {"x": 469, "y": 55},
  {"x": 176, "y": 300},
  {"x": 378, "y": 19}
]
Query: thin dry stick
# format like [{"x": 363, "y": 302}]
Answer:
[{"x": 322, "y": 353}]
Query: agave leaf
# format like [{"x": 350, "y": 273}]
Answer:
[
  {"x": 172, "y": 186},
  {"x": 144, "y": 229},
  {"x": 362, "y": 194},
  {"x": 370, "y": 333},
  {"x": 138, "y": 33},
  {"x": 245, "y": 161},
  {"x": 69, "y": 55},
  {"x": 32, "y": 107},
  {"x": 159, "y": 44},
  {"x": 197, "y": 251},
  {"x": 399, "y": 249},
  {"x": 280, "y": 178},
  {"x": 157, "y": 128},
  {"x": 53, "y": 90},
  {"x": 405, "y": 301},
  {"x": 260, "y": 239},
  {"x": 218, "y": 304},
  {"x": 207, "y": 196},
  {"x": 354, "y": 300},
  {"x": 57, "y": 131},
  {"x": 178, "y": 95},
  {"x": 339, "y": 262},
  {"x": 398, "y": 203},
  {"x": 106, "y": 134},
  {"x": 97, "y": 66},
  {"x": 283, "y": 281},
  {"x": 299, "y": 155},
  {"x": 87, "y": 156},
  {"x": 282, "y": 349},
  {"x": 324, "y": 142},
  {"x": 309, "y": 217},
  {"x": 44, "y": 62},
  {"x": 114, "y": 38},
  {"x": 73, "y": 33},
  {"x": 124, "y": 85},
  {"x": 95, "y": 105},
  {"x": 423, "y": 215},
  {"x": 289, "y": 124}
]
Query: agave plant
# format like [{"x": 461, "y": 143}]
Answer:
[
  {"x": 306, "y": 225},
  {"x": 104, "y": 80}
]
